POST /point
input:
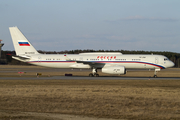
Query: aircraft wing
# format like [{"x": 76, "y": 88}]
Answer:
[
  {"x": 92, "y": 64},
  {"x": 87, "y": 62}
]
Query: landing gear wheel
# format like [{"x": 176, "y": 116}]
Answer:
[
  {"x": 155, "y": 76},
  {"x": 91, "y": 75},
  {"x": 96, "y": 75}
]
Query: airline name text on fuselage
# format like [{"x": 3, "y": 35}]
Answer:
[{"x": 106, "y": 57}]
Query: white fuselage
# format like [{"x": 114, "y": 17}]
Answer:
[{"x": 129, "y": 61}]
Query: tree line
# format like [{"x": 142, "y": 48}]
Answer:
[{"x": 6, "y": 56}]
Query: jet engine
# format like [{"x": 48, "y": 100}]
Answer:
[{"x": 114, "y": 70}]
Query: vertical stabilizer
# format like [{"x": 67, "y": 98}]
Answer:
[{"x": 21, "y": 44}]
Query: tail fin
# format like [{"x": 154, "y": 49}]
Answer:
[{"x": 21, "y": 44}]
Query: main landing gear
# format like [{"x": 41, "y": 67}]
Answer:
[
  {"x": 155, "y": 71},
  {"x": 94, "y": 73}
]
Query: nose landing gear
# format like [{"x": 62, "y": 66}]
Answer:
[{"x": 155, "y": 72}]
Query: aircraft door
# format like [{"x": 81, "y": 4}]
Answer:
[
  {"x": 156, "y": 60},
  {"x": 39, "y": 59},
  {"x": 81, "y": 58}
]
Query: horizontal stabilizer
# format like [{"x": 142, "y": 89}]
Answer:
[{"x": 22, "y": 57}]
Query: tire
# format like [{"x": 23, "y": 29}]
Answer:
[
  {"x": 91, "y": 75},
  {"x": 97, "y": 75}
]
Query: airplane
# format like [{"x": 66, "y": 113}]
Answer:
[{"x": 109, "y": 62}]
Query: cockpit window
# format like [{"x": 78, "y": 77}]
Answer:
[{"x": 165, "y": 59}]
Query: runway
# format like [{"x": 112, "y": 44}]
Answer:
[
  {"x": 88, "y": 78},
  {"x": 12, "y": 73}
]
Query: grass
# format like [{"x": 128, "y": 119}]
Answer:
[
  {"x": 118, "y": 99},
  {"x": 125, "y": 99}
]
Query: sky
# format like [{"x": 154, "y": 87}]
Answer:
[{"x": 59, "y": 25}]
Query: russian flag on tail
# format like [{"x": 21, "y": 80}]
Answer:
[{"x": 24, "y": 44}]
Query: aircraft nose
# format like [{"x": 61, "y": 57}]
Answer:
[{"x": 171, "y": 64}]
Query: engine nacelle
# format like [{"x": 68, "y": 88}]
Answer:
[{"x": 114, "y": 70}]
